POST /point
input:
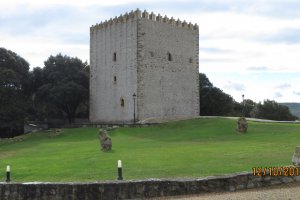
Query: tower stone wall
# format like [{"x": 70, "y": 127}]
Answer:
[{"x": 145, "y": 54}]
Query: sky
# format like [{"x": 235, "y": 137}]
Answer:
[{"x": 249, "y": 47}]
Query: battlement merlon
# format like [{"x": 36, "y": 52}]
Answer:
[{"x": 138, "y": 14}]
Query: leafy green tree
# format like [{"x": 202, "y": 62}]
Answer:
[
  {"x": 14, "y": 93},
  {"x": 247, "y": 106},
  {"x": 213, "y": 101},
  {"x": 237, "y": 109},
  {"x": 294, "y": 108},
  {"x": 273, "y": 111},
  {"x": 62, "y": 85},
  {"x": 204, "y": 81},
  {"x": 243, "y": 108}
]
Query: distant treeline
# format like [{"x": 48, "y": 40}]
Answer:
[
  {"x": 294, "y": 108},
  {"x": 214, "y": 102},
  {"x": 60, "y": 90}
]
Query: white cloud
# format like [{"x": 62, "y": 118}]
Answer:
[
  {"x": 39, "y": 48},
  {"x": 235, "y": 86},
  {"x": 232, "y": 37},
  {"x": 283, "y": 86},
  {"x": 257, "y": 68},
  {"x": 257, "y": 86},
  {"x": 38, "y": 3},
  {"x": 278, "y": 95},
  {"x": 240, "y": 33},
  {"x": 278, "y": 57},
  {"x": 11, "y": 5},
  {"x": 229, "y": 25}
]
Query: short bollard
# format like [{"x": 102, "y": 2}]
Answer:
[
  {"x": 7, "y": 173},
  {"x": 120, "y": 177},
  {"x": 296, "y": 156}
]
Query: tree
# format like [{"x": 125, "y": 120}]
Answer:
[
  {"x": 62, "y": 84},
  {"x": 213, "y": 101},
  {"x": 249, "y": 105},
  {"x": 14, "y": 93},
  {"x": 204, "y": 81},
  {"x": 244, "y": 108},
  {"x": 273, "y": 111}
]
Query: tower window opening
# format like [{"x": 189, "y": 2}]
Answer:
[
  {"x": 115, "y": 56},
  {"x": 151, "y": 53},
  {"x": 122, "y": 102},
  {"x": 169, "y": 57},
  {"x": 191, "y": 60},
  {"x": 115, "y": 79}
]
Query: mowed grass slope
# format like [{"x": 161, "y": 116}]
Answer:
[{"x": 191, "y": 148}]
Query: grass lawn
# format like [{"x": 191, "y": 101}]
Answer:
[{"x": 191, "y": 148}]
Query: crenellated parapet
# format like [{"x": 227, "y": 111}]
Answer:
[{"x": 137, "y": 14}]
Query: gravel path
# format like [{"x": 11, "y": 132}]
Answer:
[{"x": 289, "y": 191}]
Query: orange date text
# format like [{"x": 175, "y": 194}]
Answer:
[{"x": 275, "y": 171}]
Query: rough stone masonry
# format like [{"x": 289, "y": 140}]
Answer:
[
  {"x": 153, "y": 57},
  {"x": 138, "y": 189}
]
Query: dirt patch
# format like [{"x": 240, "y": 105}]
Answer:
[{"x": 288, "y": 191}]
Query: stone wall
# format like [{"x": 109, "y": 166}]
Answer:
[
  {"x": 136, "y": 189},
  {"x": 168, "y": 70},
  {"x": 113, "y": 75},
  {"x": 34, "y": 126},
  {"x": 130, "y": 55}
]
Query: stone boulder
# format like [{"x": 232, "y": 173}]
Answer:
[
  {"x": 242, "y": 125},
  {"x": 105, "y": 141}
]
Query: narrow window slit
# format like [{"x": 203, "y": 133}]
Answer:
[
  {"x": 115, "y": 56},
  {"x": 169, "y": 57},
  {"x": 122, "y": 102}
]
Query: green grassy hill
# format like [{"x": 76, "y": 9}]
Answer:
[
  {"x": 191, "y": 148},
  {"x": 294, "y": 108}
]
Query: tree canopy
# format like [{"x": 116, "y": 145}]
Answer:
[
  {"x": 14, "y": 92},
  {"x": 213, "y": 101},
  {"x": 273, "y": 111},
  {"x": 61, "y": 89},
  {"x": 62, "y": 84}
]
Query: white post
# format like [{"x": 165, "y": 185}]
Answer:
[
  {"x": 120, "y": 177},
  {"x": 7, "y": 173}
]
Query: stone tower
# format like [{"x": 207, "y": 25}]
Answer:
[{"x": 143, "y": 66}]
